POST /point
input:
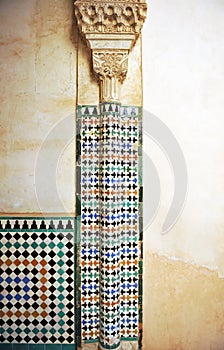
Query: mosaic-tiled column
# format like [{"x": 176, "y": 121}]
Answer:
[
  {"x": 109, "y": 179},
  {"x": 110, "y": 225}
]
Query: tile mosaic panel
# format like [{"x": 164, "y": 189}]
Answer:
[
  {"x": 109, "y": 222},
  {"x": 90, "y": 223},
  {"x": 110, "y": 206},
  {"x": 37, "y": 280}
]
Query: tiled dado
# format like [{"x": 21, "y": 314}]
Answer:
[{"x": 37, "y": 283}]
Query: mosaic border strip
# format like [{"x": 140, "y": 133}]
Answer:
[
  {"x": 47, "y": 238},
  {"x": 37, "y": 347}
]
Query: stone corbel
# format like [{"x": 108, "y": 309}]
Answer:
[{"x": 110, "y": 30}]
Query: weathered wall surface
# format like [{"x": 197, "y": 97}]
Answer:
[
  {"x": 183, "y": 60},
  {"x": 38, "y": 91}
]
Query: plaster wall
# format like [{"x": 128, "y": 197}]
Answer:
[
  {"x": 38, "y": 92},
  {"x": 183, "y": 60}
]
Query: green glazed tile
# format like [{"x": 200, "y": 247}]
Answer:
[
  {"x": 20, "y": 347},
  {"x": 53, "y": 346},
  {"x": 60, "y": 254},
  {"x": 68, "y": 347},
  {"x": 61, "y": 297},
  {"x": 34, "y": 245},
  {"x": 61, "y": 280},
  {"x": 5, "y": 346},
  {"x": 61, "y": 331},
  {"x": 60, "y": 245},
  {"x": 51, "y": 245},
  {"x": 36, "y": 347},
  {"x": 61, "y": 263},
  {"x": 25, "y": 245},
  {"x": 43, "y": 245},
  {"x": 78, "y": 205},
  {"x": 61, "y": 306},
  {"x": 61, "y": 323},
  {"x": 10, "y": 331},
  {"x": 61, "y": 314}
]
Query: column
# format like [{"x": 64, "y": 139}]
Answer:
[{"x": 109, "y": 239}]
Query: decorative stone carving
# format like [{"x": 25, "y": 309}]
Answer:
[
  {"x": 110, "y": 29},
  {"x": 110, "y": 63},
  {"x": 110, "y": 17},
  {"x": 110, "y": 67}
]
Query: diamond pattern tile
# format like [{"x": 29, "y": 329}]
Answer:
[{"x": 36, "y": 283}]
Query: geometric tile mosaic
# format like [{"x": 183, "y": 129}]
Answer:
[
  {"x": 37, "y": 281},
  {"x": 110, "y": 186}
]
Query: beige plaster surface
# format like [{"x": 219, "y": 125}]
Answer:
[
  {"x": 183, "y": 87},
  {"x": 183, "y": 306},
  {"x": 37, "y": 91},
  {"x": 183, "y": 59}
]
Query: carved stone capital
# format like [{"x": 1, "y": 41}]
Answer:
[
  {"x": 110, "y": 68},
  {"x": 110, "y": 63},
  {"x": 110, "y": 17},
  {"x": 110, "y": 29}
]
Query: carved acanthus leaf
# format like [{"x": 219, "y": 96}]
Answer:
[{"x": 110, "y": 64}]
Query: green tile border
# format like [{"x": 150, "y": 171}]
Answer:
[
  {"x": 36, "y": 346},
  {"x": 20, "y": 346},
  {"x": 68, "y": 347},
  {"x": 53, "y": 346},
  {"x": 5, "y": 346},
  {"x": 92, "y": 341}
]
